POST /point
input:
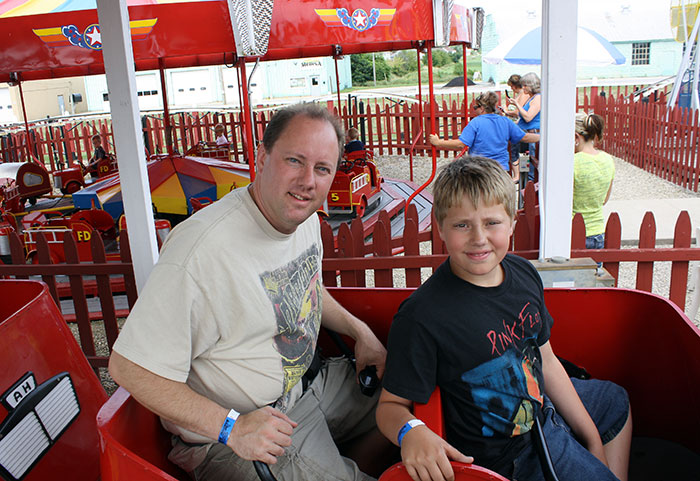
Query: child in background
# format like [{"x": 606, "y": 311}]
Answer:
[
  {"x": 219, "y": 133},
  {"x": 97, "y": 155},
  {"x": 354, "y": 144},
  {"x": 479, "y": 330}
]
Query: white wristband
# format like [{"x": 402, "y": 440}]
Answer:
[
  {"x": 228, "y": 426},
  {"x": 407, "y": 427}
]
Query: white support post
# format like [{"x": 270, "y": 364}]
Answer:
[
  {"x": 556, "y": 167},
  {"x": 128, "y": 138}
]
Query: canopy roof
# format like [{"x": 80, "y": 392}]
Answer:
[{"x": 59, "y": 38}]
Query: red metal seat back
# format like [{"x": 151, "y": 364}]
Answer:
[
  {"x": 50, "y": 394},
  {"x": 99, "y": 219},
  {"x": 463, "y": 472},
  {"x": 107, "y": 166},
  {"x": 359, "y": 155},
  {"x": 134, "y": 444},
  {"x": 638, "y": 340}
]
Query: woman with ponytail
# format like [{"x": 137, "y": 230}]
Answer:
[{"x": 593, "y": 176}]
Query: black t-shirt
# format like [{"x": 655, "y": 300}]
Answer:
[
  {"x": 99, "y": 153},
  {"x": 480, "y": 345},
  {"x": 354, "y": 146}
]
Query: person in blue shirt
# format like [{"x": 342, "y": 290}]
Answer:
[
  {"x": 529, "y": 113},
  {"x": 488, "y": 133}
]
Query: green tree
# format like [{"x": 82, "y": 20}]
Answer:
[
  {"x": 408, "y": 59},
  {"x": 361, "y": 65},
  {"x": 440, "y": 58}
]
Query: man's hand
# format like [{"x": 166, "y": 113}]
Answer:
[
  {"x": 427, "y": 456},
  {"x": 434, "y": 140},
  {"x": 261, "y": 435},
  {"x": 369, "y": 351}
]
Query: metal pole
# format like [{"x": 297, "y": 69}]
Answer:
[
  {"x": 464, "y": 67},
  {"x": 432, "y": 124},
  {"x": 420, "y": 93},
  {"x": 240, "y": 95},
  {"x": 433, "y": 128},
  {"x": 248, "y": 123},
  {"x": 30, "y": 147},
  {"x": 166, "y": 112},
  {"x": 374, "y": 71},
  {"x": 337, "y": 85}
]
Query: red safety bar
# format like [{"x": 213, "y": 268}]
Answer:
[{"x": 463, "y": 472}]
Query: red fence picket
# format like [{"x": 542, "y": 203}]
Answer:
[
  {"x": 78, "y": 281},
  {"x": 663, "y": 141}
]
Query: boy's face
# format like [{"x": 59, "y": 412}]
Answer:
[
  {"x": 477, "y": 239},
  {"x": 96, "y": 142}
]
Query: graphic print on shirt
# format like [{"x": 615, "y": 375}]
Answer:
[
  {"x": 506, "y": 390},
  {"x": 295, "y": 293}
]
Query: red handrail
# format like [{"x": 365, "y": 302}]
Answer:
[{"x": 410, "y": 152}]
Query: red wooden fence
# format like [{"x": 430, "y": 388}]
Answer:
[
  {"x": 663, "y": 141},
  {"x": 390, "y": 128},
  {"x": 79, "y": 281},
  {"x": 354, "y": 260}
]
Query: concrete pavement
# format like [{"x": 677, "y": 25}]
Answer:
[{"x": 665, "y": 212}]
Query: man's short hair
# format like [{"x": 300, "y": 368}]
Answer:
[
  {"x": 481, "y": 180},
  {"x": 282, "y": 117}
]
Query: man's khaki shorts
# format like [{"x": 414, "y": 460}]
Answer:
[{"x": 332, "y": 410}]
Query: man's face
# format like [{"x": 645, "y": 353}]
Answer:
[{"x": 294, "y": 177}]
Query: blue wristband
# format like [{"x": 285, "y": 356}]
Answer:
[
  {"x": 228, "y": 426},
  {"x": 407, "y": 427}
]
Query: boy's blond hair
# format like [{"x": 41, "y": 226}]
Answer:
[
  {"x": 481, "y": 180},
  {"x": 353, "y": 133}
]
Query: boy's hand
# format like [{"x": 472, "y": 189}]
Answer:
[
  {"x": 427, "y": 456},
  {"x": 434, "y": 140}
]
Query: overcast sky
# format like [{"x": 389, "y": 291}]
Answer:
[{"x": 512, "y": 15}]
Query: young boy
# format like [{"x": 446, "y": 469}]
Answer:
[
  {"x": 97, "y": 155},
  {"x": 220, "y": 134},
  {"x": 354, "y": 143},
  {"x": 479, "y": 330}
]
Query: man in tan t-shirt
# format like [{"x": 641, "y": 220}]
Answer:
[{"x": 228, "y": 321}]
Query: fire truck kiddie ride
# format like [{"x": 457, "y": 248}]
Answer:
[
  {"x": 72, "y": 179},
  {"x": 356, "y": 186}
]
